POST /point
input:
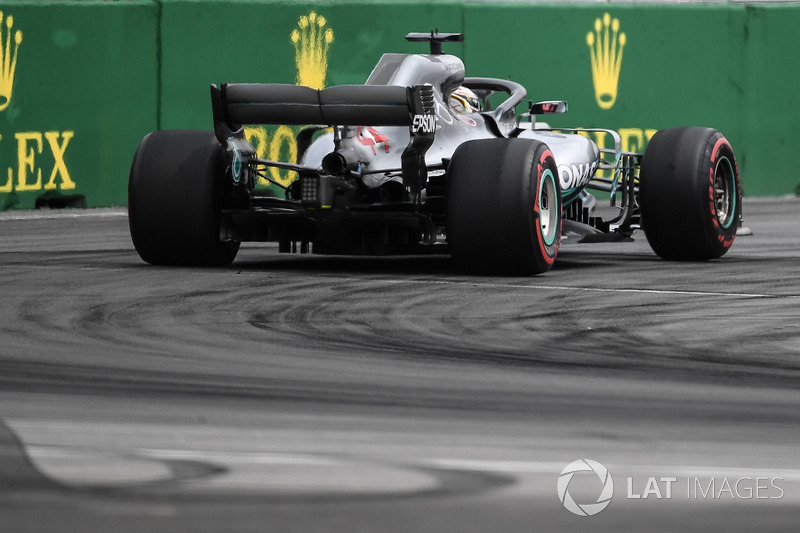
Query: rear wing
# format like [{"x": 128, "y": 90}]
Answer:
[{"x": 237, "y": 104}]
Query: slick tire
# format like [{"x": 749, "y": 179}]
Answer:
[
  {"x": 503, "y": 207},
  {"x": 174, "y": 194},
  {"x": 689, "y": 194}
]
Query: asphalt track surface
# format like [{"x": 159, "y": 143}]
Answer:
[{"x": 331, "y": 394}]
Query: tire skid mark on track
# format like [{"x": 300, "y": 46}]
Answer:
[{"x": 489, "y": 323}]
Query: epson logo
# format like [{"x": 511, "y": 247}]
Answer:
[{"x": 424, "y": 124}]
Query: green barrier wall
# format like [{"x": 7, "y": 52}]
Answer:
[
  {"x": 78, "y": 85},
  {"x": 83, "y": 81},
  {"x": 770, "y": 100},
  {"x": 662, "y": 67}
]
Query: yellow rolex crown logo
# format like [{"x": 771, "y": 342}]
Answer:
[
  {"x": 605, "y": 46},
  {"x": 312, "y": 41},
  {"x": 8, "y": 60}
]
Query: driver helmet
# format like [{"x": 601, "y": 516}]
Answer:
[{"x": 463, "y": 100}]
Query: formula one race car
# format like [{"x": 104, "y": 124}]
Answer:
[{"x": 418, "y": 160}]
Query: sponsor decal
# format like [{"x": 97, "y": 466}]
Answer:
[
  {"x": 29, "y": 177},
  {"x": 371, "y": 138},
  {"x": 423, "y": 124},
  {"x": 606, "y": 44},
  {"x": 40, "y": 155},
  {"x": 575, "y": 176},
  {"x": 312, "y": 40},
  {"x": 8, "y": 59}
]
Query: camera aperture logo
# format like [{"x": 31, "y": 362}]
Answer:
[{"x": 567, "y": 478}]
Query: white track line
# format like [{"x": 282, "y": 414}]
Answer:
[
  {"x": 68, "y": 213},
  {"x": 237, "y": 457},
  {"x": 619, "y": 290},
  {"x": 482, "y": 285},
  {"x": 482, "y": 465},
  {"x": 543, "y": 467}
]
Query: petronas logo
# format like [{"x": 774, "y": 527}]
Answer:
[
  {"x": 312, "y": 41},
  {"x": 8, "y": 59},
  {"x": 605, "y": 47}
]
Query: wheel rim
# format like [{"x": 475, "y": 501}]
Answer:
[
  {"x": 724, "y": 192},
  {"x": 548, "y": 208}
]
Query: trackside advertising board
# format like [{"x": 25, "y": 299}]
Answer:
[
  {"x": 77, "y": 92},
  {"x": 81, "y": 82}
]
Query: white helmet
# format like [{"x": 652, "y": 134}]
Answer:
[{"x": 463, "y": 100}]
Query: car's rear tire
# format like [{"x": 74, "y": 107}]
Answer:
[
  {"x": 503, "y": 207},
  {"x": 689, "y": 194},
  {"x": 174, "y": 194}
]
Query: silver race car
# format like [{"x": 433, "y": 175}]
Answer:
[{"x": 418, "y": 160}]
